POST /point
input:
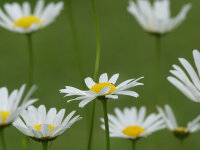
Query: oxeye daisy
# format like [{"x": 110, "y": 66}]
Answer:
[
  {"x": 44, "y": 126},
  {"x": 102, "y": 90},
  {"x": 132, "y": 123},
  {"x": 21, "y": 19},
  {"x": 156, "y": 18},
  {"x": 180, "y": 132},
  {"x": 187, "y": 80},
  {"x": 10, "y": 107}
]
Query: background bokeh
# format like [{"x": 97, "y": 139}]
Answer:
[{"x": 126, "y": 49}]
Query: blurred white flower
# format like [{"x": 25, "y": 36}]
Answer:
[
  {"x": 103, "y": 90},
  {"x": 133, "y": 124},
  {"x": 10, "y": 107},
  {"x": 21, "y": 19},
  {"x": 171, "y": 123},
  {"x": 44, "y": 126},
  {"x": 187, "y": 82},
  {"x": 156, "y": 18}
]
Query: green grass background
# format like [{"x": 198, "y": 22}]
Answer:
[{"x": 126, "y": 49}]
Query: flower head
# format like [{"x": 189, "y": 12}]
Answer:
[
  {"x": 103, "y": 90},
  {"x": 156, "y": 19},
  {"x": 22, "y": 20},
  {"x": 187, "y": 82},
  {"x": 9, "y": 104},
  {"x": 132, "y": 124},
  {"x": 171, "y": 123},
  {"x": 44, "y": 126}
]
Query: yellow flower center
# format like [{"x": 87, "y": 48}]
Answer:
[
  {"x": 99, "y": 86},
  {"x": 181, "y": 130},
  {"x": 26, "y": 22},
  {"x": 4, "y": 116},
  {"x": 133, "y": 131},
  {"x": 38, "y": 127}
]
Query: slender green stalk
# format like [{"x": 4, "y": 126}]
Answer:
[
  {"x": 96, "y": 69},
  {"x": 157, "y": 68},
  {"x": 45, "y": 145},
  {"x": 75, "y": 38},
  {"x": 181, "y": 144},
  {"x": 25, "y": 143},
  {"x": 31, "y": 66},
  {"x": 133, "y": 144},
  {"x": 2, "y": 137},
  {"x": 104, "y": 104}
]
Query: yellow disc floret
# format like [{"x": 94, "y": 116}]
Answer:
[
  {"x": 4, "y": 116},
  {"x": 26, "y": 22},
  {"x": 38, "y": 127},
  {"x": 181, "y": 130},
  {"x": 99, "y": 86},
  {"x": 133, "y": 131}
]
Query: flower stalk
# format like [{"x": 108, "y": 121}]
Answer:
[
  {"x": 133, "y": 144},
  {"x": 31, "y": 65},
  {"x": 2, "y": 137},
  {"x": 104, "y": 104},
  {"x": 45, "y": 145},
  {"x": 157, "y": 67},
  {"x": 96, "y": 69}
]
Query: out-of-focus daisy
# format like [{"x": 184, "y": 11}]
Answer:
[
  {"x": 156, "y": 18},
  {"x": 133, "y": 124},
  {"x": 171, "y": 123},
  {"x": 10, "y": 107},
  {"x": 44, "y": 126},
  {"x": 22, "y": 19},
  {"x": 103, "y": 90},
  {"x": 188, "y": 81}
]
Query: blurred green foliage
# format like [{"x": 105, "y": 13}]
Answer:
[{"x": 126, "y": 49}]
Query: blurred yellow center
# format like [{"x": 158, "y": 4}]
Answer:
[
  {"x": 181, "y": 130},
  {"x": 133, "y": 131},
  {"x": 99, "y": 86},
  {"x": 26, "y": 22},
  {"x": 38, "y": 127},
  {"x": 4, "y": 116}
]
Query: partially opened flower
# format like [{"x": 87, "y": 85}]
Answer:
[
  {"x": 22, "y": 19},
  {"x": 44, "y": 126},
  {"x": 133, "y": 124},
  {"x": 103, "y": 90},
  {"x": 188, "y": 81},
  {"x": 171, "y": 123},
  {"x": 156, "y": 18},
  {"x": 10, "y": 107}
]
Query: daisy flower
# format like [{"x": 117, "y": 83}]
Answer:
[
  {"x": 22, "y": 19},
  {"x": 188, "y": 81},
  {"x": 171, "y": 123},
  {"x": 156, "y": 18},
  {"x": 10, "y": 107},
  {"x": 103, "y": 90},
  {"x": 44, "y": 126},
  {"x": 133, "y": 124}
]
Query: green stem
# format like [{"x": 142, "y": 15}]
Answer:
[
  {"x": 98, "y": 41},
  {"x": 133, "y": 144},
  {"x": 2, "y": 137},
  {"x": 104, "y": 104},
  {"x": 181, "y": 144},
  {"x": 25, "y": 142},
  {"x": 31, "y": 66},
  {"x": 96, "y": 69},
  {"x": 75, "y": 38},
  {"x": 157, "y": 68},
  {"x": 91, "y": 125},
  {"x": 45, "y": 145}
]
